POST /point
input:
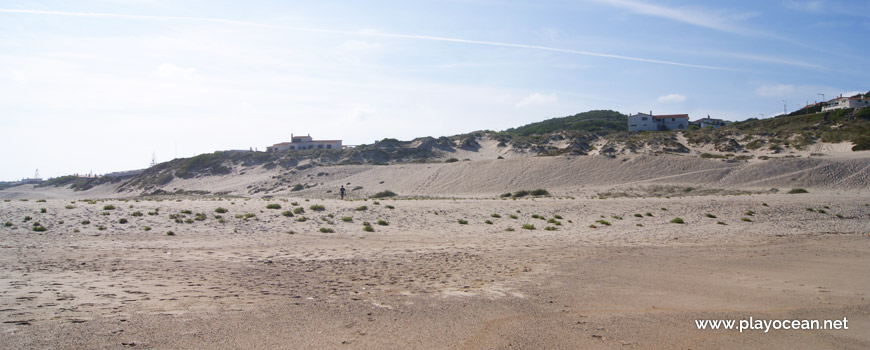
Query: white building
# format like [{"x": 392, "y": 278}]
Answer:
[
  {"x": 711, "y": 122},
  {"x": 846, "y": 102},
  {"x": 650, "y": 122},
  {"x": 304, "y": 142}
]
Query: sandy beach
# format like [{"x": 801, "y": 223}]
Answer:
[{"x": 427, "y": 281}]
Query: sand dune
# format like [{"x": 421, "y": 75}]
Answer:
[{"x": 453, "y": 267}]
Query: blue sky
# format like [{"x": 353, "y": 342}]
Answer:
[{"x": 102, "y": 85}]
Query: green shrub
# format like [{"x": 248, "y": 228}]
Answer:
[
  {"x": 137, "y": 213},
  {"x": 70, "y": 206},
  {"x": 368, "y": 228},
  {"x": 273, "y": 206},
  {"x": 536, "y": 216},
  {"x": 463, "y": 222},
  {"x": 27, "y": 218},
  {"x": 317, "y": 207},
  {"x": 521, "y": 193},
  {"x": 512, "y": 216},
  {"x": 384, "y": 194},
  {"x": 746, "y": 219},
  {"x": 383, "y": 222},
  {"x": 295, "y": 204},
  {"x": 147, "y": 228},
  {"x": 648, "y": 214},
  {"x": 347, "y": 219},
  {"x": 603, "y": 222},
  {"x": 617, "y": 217},
  {"x": 557, "y": 217},
  {"x": 488, "y": 222},
  {"x": 510, "y": 229},
  {"x": 720, "y": 223},
  {"x": 638, "y": 215},
  {"x": 287, "y": 213},
  {"x": 186, "y": 211},
  {"x": 297, "y": 187},
  {"x": 749, "y": 213},
  {"x": 451, "y": 160},
  {"x": 797, "y": 191},
  {"x": 389, "y": 207},
  {"x": 42, "y": 210},
  {"x": 677, "y": 221},
  {"x": 200, "y": 217},
  {"x": 170, "y": 233},
  {"x": 122, "y": 221},
  {"x": 838, "y": 216},
  {"x": 298, "y": 210},
  {"x": 85, "y": 222},
  {"x": 109, "y": 207},
  {"x": 249, "y": 215},
  {"x": 528, "y": 227},
  {"x": 822, "y": 211},
  {"x": 811, "y": 209},
  {"x": 39, "y": 228},
  {"x": 301, "y": 219},
  {"x": 540, "y": 192},
  {"x": 364, "y": 208},
  {"x": 711, "y": 216},
  {"x": 495, "y": 215},
  {"x": 550, "y": 228},
  {"x": 8, "y": 224},
  {"x": 220, "y": 210},
  {"x": 326, "y": 230}
]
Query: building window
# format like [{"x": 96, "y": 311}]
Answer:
[
  {"x": 319, "y": 146},
  {"x": 328, "y": 146},
  {"x": 643, "y": 118}
]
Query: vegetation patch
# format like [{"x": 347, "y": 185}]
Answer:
[{"x": 384, "y": 194}]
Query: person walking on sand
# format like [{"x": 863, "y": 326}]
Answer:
[{"x": 341, "y": 192}]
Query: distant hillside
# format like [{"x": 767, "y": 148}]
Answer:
[
  {"x": 601, "y": 132},
  {"x": 793, "y": 131},
  {"x": 592, "y": 121}
]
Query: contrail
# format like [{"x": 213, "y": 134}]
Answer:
[{"x": 360, "y": 33}]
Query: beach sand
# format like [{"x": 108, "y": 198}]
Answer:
[{"x": 426, "y": 281}]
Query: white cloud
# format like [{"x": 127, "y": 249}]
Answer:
[
  {"x": 19, "y": 77},
  {"x": 361, "y": 113},
  {"x": 373, "y": 33},
  {"x": 808, "y": 6},
  {"x": 171, "y": 71},
  {"x": 778, "y": 90},
  {"x": 537, "y": 99},
  {"x": 672, "y": 98},
  {"x": 717, "y": 20}
]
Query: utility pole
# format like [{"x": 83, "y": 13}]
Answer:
[
  {"x": 153, "y": 159},
  {"x": 783, "y": 107},
  {"x": 823, "y": 97},
  {"x": 762, "y": 115}
]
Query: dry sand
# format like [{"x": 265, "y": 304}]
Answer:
[{"x": 426, "y": 281}]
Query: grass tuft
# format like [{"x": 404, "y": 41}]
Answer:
[{"x": 677, "y": 221}]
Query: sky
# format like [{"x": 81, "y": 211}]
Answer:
[{"x": 108, "y": 85}]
